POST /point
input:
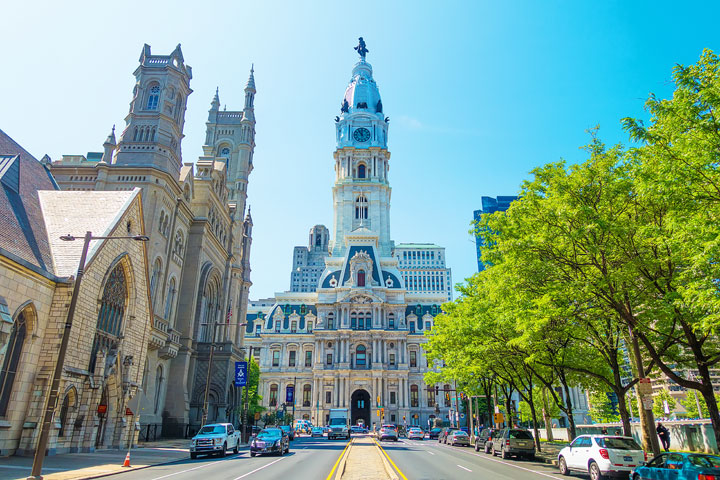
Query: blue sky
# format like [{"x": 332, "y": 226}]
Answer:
[{"x": 478, "y": 93}]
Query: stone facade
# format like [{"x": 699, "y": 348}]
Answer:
[{"x": 200, "y": 238}]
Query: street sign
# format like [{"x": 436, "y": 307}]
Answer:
[
  {"x": 290, "y": 394},
  {"x": 499, "y": 418},
  {"x": 240, "y": 374},
  {"x": 257, "y": 415},
  {"x": 644, "y": 387},
  {"x": 128, "y": 412},
  {"x": 102, "y": 409},
  {"x": 647, "y": 402}
]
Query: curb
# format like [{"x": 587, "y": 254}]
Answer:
[
  {"x": 388, "y": 469},
  {"x": 341, "y": 466}
]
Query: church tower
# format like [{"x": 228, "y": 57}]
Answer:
[
  {"x": 154, "y": 125},
  {"x": 361, "y": 194},
  {"x": 230, "y": 136}
]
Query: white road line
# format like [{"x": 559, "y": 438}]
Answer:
[
  {"x": 505, "y": 463},
  {"x": 260, "y": 468},
  {"x": 467, "y": 469},
  {"x": 190, "y": 469},
  {"x": 428, "y": 451}
]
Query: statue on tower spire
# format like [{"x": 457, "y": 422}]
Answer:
[{"x": 361, "y": 48}]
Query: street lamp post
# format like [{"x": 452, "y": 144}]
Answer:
[
  {"x": 295, "y": 390},
  {"x": 41, "y": 448},
  {"x": 245, "y": 403}
]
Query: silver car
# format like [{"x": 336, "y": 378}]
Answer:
[
  {"x": 388, "y": 432},
  {"x": 514, "y": 441},
  {"x": 458, "y": 437}
]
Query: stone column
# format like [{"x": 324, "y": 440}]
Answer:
[{"x": 336, "y": 392}]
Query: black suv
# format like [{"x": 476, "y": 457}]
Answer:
[
  {"x": 435, "y": 432},
  {"x": 484, "y": 440}
]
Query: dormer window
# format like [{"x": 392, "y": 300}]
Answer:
[
  {"x": 361, "y": 278},
  {"x": 154, "y": 97}
]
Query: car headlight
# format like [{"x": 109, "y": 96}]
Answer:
[{"x": 218, "y": 441}]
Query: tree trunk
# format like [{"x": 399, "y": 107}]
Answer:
[
  {"x": 712, "y": 406},
  {"x": 547, "y": 417},
  {"x": 569, "y": 408},
  {"x": 647, "y": 419},
  {"x": 533, "y": 413},
  {"x": 624, "y": 415}
]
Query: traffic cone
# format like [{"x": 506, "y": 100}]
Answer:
[{"x": 126, "y": 463}]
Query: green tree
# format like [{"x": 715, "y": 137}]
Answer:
[
  {"x": 601, "y": 408},
  {"x": 659, "y": 400},
  {"x": 691, "y": 401}
]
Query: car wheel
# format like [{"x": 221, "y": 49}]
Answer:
[
  {"x": 235, "y": 449},
  {"x": 562, "y": 465},
  {"x": 487, "y": 450},
  {"x": 282, "y": 451},
  {"x": 594, "y": 472},
  {"x": 477, "y": 447},
  {"x": 193, "y": 455},
  {"x": 503, "y": 453},
  {"x": 252, "y": 454},
  {"x": 222, "y": 452}
]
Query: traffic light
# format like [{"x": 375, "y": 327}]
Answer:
[
  {"x": 447, "y": 396},
  {"x": 437, "y": 390},
  {"x": 378, "y": 399},
  {"x": 378, "y": 413},
  {"x": 403, "y": 418}
]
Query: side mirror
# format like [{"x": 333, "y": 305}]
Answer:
[{"x": 643, "y": 463}]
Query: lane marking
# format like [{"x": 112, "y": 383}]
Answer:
[
  {"x": 428, "y": 451},
  {"x": 191, "y": 469},
  {"x": 390, "y": 460},
  {"x": 338, "y": 461},
  {"x": 465, "y": 468},
  {"x": 260, "y": 468},
  {"x": 504, "y": 463}
]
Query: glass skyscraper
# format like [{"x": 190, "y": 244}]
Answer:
[{"x": 489, "y": 205}]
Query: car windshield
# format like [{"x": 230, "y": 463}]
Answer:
[
  {"x": 391, "y": 427},
  {"x": 460, "y": 433},
  {"x": 270, "y": 433},
  {"x": 212, "y": 429},
  {"x": 436, "y": 430},
  {"x": 618, "y": 443},
  {"x": 285, "y": 428},
  {"x": 705, "y": 461},
  {"x": 519, "y": 435}
]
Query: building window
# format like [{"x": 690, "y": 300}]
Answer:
[
  {"x": 414, "y": 396},
  {"x": 428, "y": 325},
  {"x": 306, "y": 396},
  {"x": 63, "y": 415},
  {"x": 308, "y": 358},
  {"x": 391, "y": 321},
  {"x": 412, "y": 327},
  {"x": 170, "y": 300},
  {"x": 360, "y": 355},
  {"x": 331, "y": 321},
  {"x": 293, "y": 326},
  {"x": 392, "y": 359},
  {"x": 361, "y": 170},
  {"x": 328, "y": 397},
  {"x": 291, "y": 359},
  {"x": 13, "y": 349},
  {"x": 276, "y": 359},
  {"x": 110, "y": 318},
  {"x": 155, "y": 278},
  {"x": 273, "y": 395},
  {"x": 154, "y": 97},
  {"x": 413, "y": 358},
  {"x": 430, "y": 396},
  {"x": 361, "y": 278},
  {"x": 361, "y": 208},
  {"x": 393, "y": 398},
  {"x": 158, "y": 386},
  {"x": 447, "y": 394},
  {"x": 392, "y": 418},
  {"x": 329, "y": 359}
]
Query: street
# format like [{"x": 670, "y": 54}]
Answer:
[{"x": 315, "y": 458}]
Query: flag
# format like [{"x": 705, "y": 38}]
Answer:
[{"x": 229, "y": 314}]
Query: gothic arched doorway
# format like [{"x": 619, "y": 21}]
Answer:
[{"x": 360, "y": 407}]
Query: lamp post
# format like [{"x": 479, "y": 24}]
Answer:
[
  {"x": 41, "y": 448},
  {"x": 245, "y": 403},
  {"x": 294, "y": 395}
]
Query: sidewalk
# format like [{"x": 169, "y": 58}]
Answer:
[
  {"x": 364, "y": 461},
  {"x": 76, "y": 466},
  {"x": 550, "y": 452}
]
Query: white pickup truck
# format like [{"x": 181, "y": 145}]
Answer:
[{"x": 213, "y": 439}]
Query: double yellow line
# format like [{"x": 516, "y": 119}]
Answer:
[{"x": 390, "y": 460}]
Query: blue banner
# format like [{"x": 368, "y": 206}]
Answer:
[
  {"x": 290, "y": 394},
  {"x": 240, "y": 374}
]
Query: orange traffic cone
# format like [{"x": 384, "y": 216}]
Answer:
[{"x": 126, "y": 463}]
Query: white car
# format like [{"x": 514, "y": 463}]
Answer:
[
  {"x": 601, "y": 455},
  {"x": 415, "y": 433}
]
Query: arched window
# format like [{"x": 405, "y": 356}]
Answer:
[
  {"x": 158, "y": 386},
  {"x": 155, "y": 279},
  {"x": 273, "y": 395},
  {"x": 361, "y": 170},
  {"x": 135, "y": 135},
  {"x": 154, "y": 97},
  {"x": 179, "y": 243},
  {"x": 360, "y": 355},
  {"x": 331, "y": 321},
  {"x": 111, "y": 315},
  {"x": 208, "y": 311},
  {"x": 13, "y": 350},
  {"x": 306, "y": 395},
  {"x": 414, "y": 396},
  {"x": 64, "y": 414},
  {"x": 170, "y": 301},
  {"x": 361, "y": 208},
  {"x": 361, "y": 278}
]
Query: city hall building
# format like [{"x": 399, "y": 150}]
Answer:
[{"x": 354, "y": 339}]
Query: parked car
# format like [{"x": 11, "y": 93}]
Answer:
[
  {"x": 442, "y": 438},
  {"x": 601, "y": 455},
  {"x": 434, "y": 432},
  {"x": 317, "y": 432},
  {"x": 215, "y": 439},
  {"x": 484, "y": 440},
  {"x": 270, "y": 440},
  {"x": 388, "y": 432},
  {"x": 289, "y": 431},
  {"x": 679, "y": 466},
  {"x": 415, "y": 433},
  {"x": 514, "y": 441},
  {"x": 458, "y": 437}
]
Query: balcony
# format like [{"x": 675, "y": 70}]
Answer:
[
  {"x": 172, "y": 345},
  {"x": 158, "y": 333}
]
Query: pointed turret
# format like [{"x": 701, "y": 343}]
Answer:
[
  {"x": 109, "y": 147},
  {"x": 215, "y": 104},
  {"x": 249, "y": 110}
]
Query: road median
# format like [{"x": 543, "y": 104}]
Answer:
[{"x": 364, "y": 461}]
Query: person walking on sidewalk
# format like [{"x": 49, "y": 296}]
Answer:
[{"x": 664, "y": 435}]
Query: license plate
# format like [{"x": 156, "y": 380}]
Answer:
[
  {"x": 627, "y": 459},
  {"x": 259, "y": 444}
]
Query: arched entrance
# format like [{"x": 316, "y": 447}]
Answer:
[{"x": 360, "y": 407}]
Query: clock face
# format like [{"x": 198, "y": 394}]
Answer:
[{"x": 361, "y": 134}]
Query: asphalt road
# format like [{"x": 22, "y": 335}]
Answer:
[
  {"x": 311, "y": 458},
  {"x": 430, "y": 460}
]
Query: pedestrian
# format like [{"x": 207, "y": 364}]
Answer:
[
  {"x": 604, "y": 431},
  {"x": 664, "y": 435}
]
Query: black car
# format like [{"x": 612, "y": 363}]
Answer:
[
  {"x": 484, "y": 440},
  {"x": 270, "y": 440},
  {"x": 289, "y": 431},
  {"x": 435, "y": 432},
  {"x": 442, "y": 438}
]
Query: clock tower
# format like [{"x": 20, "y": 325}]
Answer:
[{"x": 361, "y": 194}]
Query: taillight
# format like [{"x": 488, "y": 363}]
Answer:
[
  {"x": 645, "y": 453},
  {"x": 507, "y": 442},
  {"x": 705, "y": 476},
  {"x": 604, "y": 454},
  {"x": 489, "y": 439}
]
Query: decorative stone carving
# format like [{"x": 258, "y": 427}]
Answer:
[{"x": 361, "y": 261}]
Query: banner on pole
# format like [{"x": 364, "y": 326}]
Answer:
[
  {"x": 240, "y": 374},
  {"x": 290, "y": 394}
]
